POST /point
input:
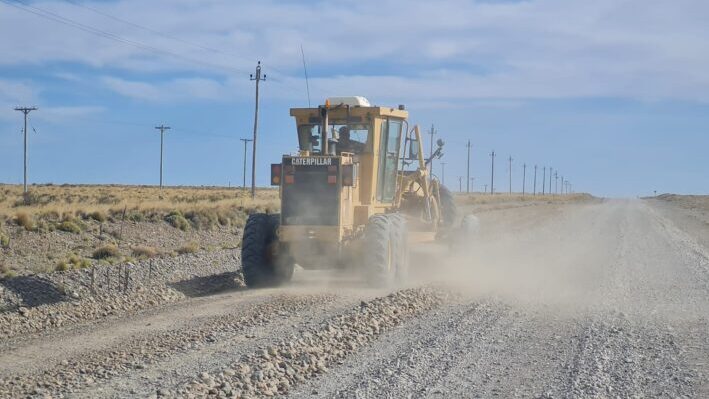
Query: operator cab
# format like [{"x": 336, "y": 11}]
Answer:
[{"x": 346, "y": 132}]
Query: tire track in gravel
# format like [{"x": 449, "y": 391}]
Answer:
[
  {"x": 410, "y": 358},
  {"x": 137, "y": 352}
]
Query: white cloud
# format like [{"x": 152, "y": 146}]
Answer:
[{"x": 431, "y": 51}]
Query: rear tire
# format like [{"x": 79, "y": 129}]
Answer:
[
  {"x": 262, "y": 261},
  {"x": 449, "y": 210},
  {"x": 379, "y": 253},
  {"x": 400, "y": 238}
]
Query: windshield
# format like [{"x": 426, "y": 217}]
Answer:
[{"x": 353, "y": 137}]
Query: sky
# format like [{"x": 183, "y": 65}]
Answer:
[{"x": 612, "y": 94}]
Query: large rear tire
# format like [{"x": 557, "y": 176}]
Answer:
[
  {"x": 378, "y": 251},
  {"x": 400, "y": 238},
  {"x": 449, "y": 210},
  {"x": 262, "y": 260},
  {"x": 386, "y": 250}
]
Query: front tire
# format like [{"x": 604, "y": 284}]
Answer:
[{"x": 262, "y": 260}]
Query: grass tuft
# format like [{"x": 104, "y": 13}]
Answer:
[
  {"x": 189, "y": 248},
  {"x": 143, "y": 251},
  {"x": 106, "y": 251},
  {"x": 24, "y": 219},
  {"x": 69, "y": 226}
]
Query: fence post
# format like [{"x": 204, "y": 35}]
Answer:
[{"x": 93, "y": 279}]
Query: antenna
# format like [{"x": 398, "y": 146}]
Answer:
[{"x": 305, "y": 69}]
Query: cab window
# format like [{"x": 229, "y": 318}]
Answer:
[{"x": 388, "y": 157}]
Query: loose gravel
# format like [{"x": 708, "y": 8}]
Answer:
[{"x": 273, "y": 370}]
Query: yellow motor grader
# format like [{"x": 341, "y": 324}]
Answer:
[{"x": 356, "y": 194}]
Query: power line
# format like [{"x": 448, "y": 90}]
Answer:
[
  {"x": 25, "y": 111},
  {"x": 107, "y": 35},
  {"x": 145, "y": 28},
  {"x": 257, "y": 79}
]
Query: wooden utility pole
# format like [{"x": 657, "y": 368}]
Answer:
[
  {"x": 510, "y": 160},
  {"x": 430, "y": 155},
  {"x": 535, "y": 180},
  {"x": 524, "y": 177},
  {"x": 25, "y": 111},
  {"x": 258, "y": 78},
  {"x": 246, "y": 141},
  {"x": 550, "y": 177},
  {"x": 544, "y": 180},
  {"x": 460, "y": 184},
  {"x": 162, "y": 129},
  {"x": 472, "y": 184},
  {"x": 468, "y": 176},
  {"x": 443, "y": 173},
  {"x": 492, "y": 173}
]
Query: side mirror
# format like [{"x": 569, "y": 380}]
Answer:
[
  {"x": 413, "y": 149},
  {"x": 440, "y": 143}
]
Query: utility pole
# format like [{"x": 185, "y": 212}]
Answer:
[
  {"x": 492, "y": 173},
  {"x": 25, "y": 111},
  {"x": 550, "y": 177},
  {"x": 460, "y": 184},
  {"x": 246, "y": 141},
  {"x": 430, "y": 155},
  {"x": 162, "y": 129},
  {"x": 524, "y": 177},
  {"x": 468, "y": 176},
  {"x": 544, "y": 180},
  {"x": 562, "y": 185},
  {"x": 510, "y": 160},
  {"x": 556, "y": 182},
  {"x": 485, "y": 192},
  {"x": 443, "y": 173},
  {"x": 258, "y": 78},
  {"x": 535, "y": 180},
  {"x": 472, "y": 184}
]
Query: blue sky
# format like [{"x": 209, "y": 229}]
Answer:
[{"x": 612, "y": 94}]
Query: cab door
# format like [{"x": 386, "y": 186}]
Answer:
[{"x": 388, "y": 159}]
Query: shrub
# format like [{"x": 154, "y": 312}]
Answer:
[
  {"x": 62, "y": 266},
  {"x": 25, "y": 220},
  {"x": 188, "y": 248},
  {"x": 106, "y": 251},
  {"x": 4, "y": 239},
  {"x": 98, "y": 216},
  {"x": 74, "y": 262},
  {"x": 69, "y": 226},
  {"x": 176, "y": 219},
  {"x": 144, "y": 251}
]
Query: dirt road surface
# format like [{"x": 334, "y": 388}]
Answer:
[{"x": 597, "y": 299}]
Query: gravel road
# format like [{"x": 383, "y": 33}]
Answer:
[{"x": 597, "y": 299}]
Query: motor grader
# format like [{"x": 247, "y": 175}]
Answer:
[{"x": 355, "y": 195}]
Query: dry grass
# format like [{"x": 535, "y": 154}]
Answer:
[
  {"x": 478, "y": 198},
  {"x": 189, "y": 248},
  {"x": 183, "y": 207},
  {"x": 143, "y": 251},
  {"x": 106, "y": 251}
]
